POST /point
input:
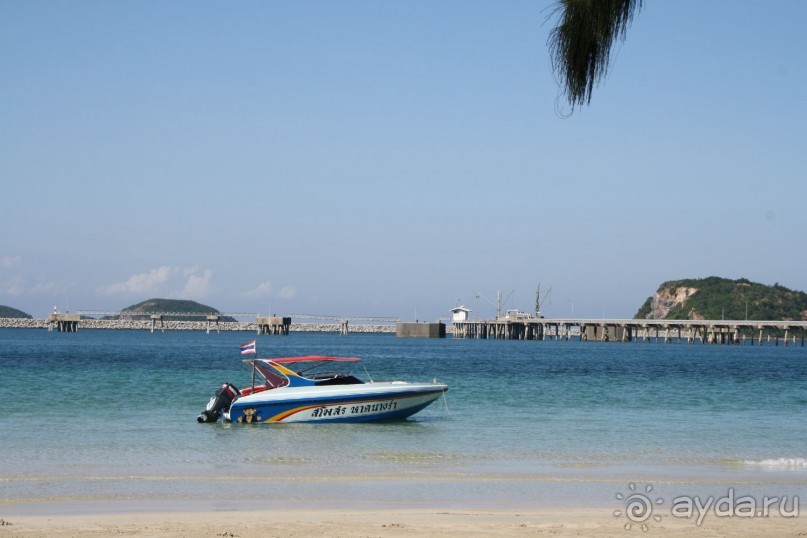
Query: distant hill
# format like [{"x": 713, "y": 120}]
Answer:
[
  {"x": 8, "y": 312},
  {"x": 722, "y": 298},
  {"x": 152, "y": 306}
]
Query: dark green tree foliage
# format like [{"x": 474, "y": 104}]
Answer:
[
  {"x": 645, "y": 309},
  {"x": 722, "y": 298},
  {"x": 580, "y": 45},
  {"x": 151, "y": 306},
  {"x": 8, "y": 312}
]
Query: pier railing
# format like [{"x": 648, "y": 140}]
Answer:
[
  {"x": 118, "y": 313},
  {"x": 629, "y": 330},
  {"x": 217, "y": 321}
]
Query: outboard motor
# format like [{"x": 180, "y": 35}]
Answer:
[{"x": 225, "y": 396}]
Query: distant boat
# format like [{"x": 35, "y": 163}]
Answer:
[{"x": 282, "y": 394}]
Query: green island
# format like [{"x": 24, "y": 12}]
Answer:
[
  {"x": 9, "y": 312},
  {"x": 143, "y": 310},
  {"x": 722, "y": 298}
]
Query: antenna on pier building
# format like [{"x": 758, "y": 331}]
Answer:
[
  {"x": 538, "y": 301},
  {"x": 499, "y": 303}
]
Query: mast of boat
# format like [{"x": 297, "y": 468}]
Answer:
[
  {"x": 253, "y": 375},
  {"x": 253, "y": 366}
]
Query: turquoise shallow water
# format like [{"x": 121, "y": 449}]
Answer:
[{"x": 110, "y": 415}]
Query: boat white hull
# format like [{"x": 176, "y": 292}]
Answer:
[{"x": 341, "y": 403}]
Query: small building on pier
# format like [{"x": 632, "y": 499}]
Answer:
[
  {"x": 460, "y": 313},
  {"x": 64, "y": 323}
]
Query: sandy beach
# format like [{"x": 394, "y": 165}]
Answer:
[{"x": 385, "y": 523}]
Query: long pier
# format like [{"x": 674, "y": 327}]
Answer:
[
  {"x": 207, "y": 321},
  {"x": 632, "y": 330}
]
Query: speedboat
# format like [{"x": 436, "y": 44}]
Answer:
[{"x": 292, "y": 390}]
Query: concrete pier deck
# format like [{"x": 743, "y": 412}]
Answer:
[
  {"x": 64, "y": 323},
  {"x": 630, "y": 330}
]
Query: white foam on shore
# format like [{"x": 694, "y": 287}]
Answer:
[{"x": 779, "y": 462}]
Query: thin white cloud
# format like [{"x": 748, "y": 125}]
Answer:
[
  {"x": 14, "y": 287},
  {"x": 149, "y": 282},
  {"x": 287, "y": 292},
  {"x": 48, "y": 287},
  {"x": 262, "y": 290},
  {"x": 197, "y": 286},
  {"x": 10, "y": 261}
]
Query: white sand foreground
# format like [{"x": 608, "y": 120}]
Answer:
[{"x": 384, "y": 523}]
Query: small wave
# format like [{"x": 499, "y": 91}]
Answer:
[
  {"x": 279, "y": 460},
  {"x": 779, "y": 462},
  {"x": 412, "y": 457}
]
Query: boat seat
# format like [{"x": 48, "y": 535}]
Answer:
[{"x": 341, "y": 380}]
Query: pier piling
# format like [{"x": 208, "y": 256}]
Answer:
[
  {"x": 616, "y": 330},
  {"x": 154, "y": 319},
  {"x": 64, "y": 323},
  {"x": 274, "y": 325}
]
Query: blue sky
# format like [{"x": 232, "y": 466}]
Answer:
[{"x": 381, "y": 158}]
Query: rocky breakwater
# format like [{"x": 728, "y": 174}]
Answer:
[
  {"x": 146, "y": 325},
  {"x": 23, "y": 323},
  {"x": 335, "y": 328}
]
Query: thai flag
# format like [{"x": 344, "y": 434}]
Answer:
[{"x": 248, "y": 348}]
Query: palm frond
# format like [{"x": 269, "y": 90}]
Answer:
[{"x": 580, "y": 45}]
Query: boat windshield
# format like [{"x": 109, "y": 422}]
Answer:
[
  {"x": 319, "y": 370},
  {"x": 271, "y": 378},
  {"x": 327, "y": 372}
]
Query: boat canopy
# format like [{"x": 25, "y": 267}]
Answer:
[
  {"x": 313, "y": 358},
  {"x": 298, "y": 378}
]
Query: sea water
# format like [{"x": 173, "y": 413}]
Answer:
[{"x": 111, "y": 416}]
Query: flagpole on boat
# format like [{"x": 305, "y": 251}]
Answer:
[{"x": 253, "y": 366}]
